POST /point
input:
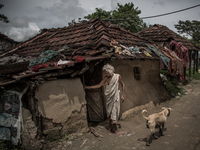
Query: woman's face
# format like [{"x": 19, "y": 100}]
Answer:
[{"x": 107, "y": 74}]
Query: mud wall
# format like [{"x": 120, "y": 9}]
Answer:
[
  {"x": 148, "y": 88},
  {"x": 62, "y": 106}
]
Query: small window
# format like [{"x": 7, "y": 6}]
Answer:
[{"x": 136, "y": 71}]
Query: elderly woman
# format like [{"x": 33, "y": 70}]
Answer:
[{"x": 112, "y": 94}]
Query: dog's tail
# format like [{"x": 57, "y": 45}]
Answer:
[{"x": 144, "y": 111}]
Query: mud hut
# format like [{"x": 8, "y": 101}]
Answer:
[
  {"x": 62, "y": 61},
  {"x": 162, "y": 36}
]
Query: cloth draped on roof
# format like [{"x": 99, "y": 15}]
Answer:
[
  {"x": 113, "y": 98},
  {"x": 135, "y": 49},
  {"x": 176, "y": 64},
  {"x": 121, "y": 49},
  {"x": 44, "y": 57},
  {"x": 180, "y": 50},
  {"x": 164, "y": 58}
]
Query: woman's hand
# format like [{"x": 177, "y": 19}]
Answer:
[
  {"x": 86, "y": 87},
  {"x": 122, "y": 98}
]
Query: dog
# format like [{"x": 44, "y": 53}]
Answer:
[{"x": 156, "y": 120}]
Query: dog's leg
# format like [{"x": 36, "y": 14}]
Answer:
[
  {"x": 147, "y": 142},
  {"x": 148, "y": 138},
  {"x": 155, "y": 136},
  {"x": 161, "y": 130}
]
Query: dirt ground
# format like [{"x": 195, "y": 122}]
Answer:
[{"x": 182, "y": 129}]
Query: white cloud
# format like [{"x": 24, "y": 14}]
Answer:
[
  {"x": 114, "y": 4},
  {"x": 21, "y": 34},
  {"x": 63, "y": 12}
]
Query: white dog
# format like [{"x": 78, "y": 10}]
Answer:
[{"x": 156, "y": 120}]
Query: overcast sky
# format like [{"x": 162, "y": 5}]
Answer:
[{"x": 27, "y": 17}]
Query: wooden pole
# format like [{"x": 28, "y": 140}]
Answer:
[
  {"x": 194, "y": 62},
  {"x": 184, "y": 72},
  {"x": 190, "y": 56},
  {"x": 197, "y": 60}
]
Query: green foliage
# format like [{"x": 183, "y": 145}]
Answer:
[
  {"x": 66, "y": 137},
  {"x": 195, "y": 76},
  {"x": 129, "y": 17},
  {"x": 100, "y": 13},
  {"x": 172, "y": 84},
  {"x": 191, "y": 28},
  {"x": 124, "y": 15},
  {"x": 3, "y": 17}
]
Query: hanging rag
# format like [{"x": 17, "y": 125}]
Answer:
[
  {"x": 43, "y": 57},
  {"x": 127, "y": 51},
  {"x": 180, "y": 50},
  {"x": 79, "y": 58},
  {"x": 164, "y": 58},
  {"x": 62, "y": 62},
  {"x": 135, "y": 49},
  {"x": 147, "y": 54},
  {"x": 35, "y": 68},
  {"x": 118, "y": 50}
]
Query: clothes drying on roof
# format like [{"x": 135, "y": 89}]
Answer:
[
  {"x": 62, "y": 62},
  {"x": 176, "y": 64},
  {"x": 146, "y": 49},
  {"x": 44, "y": 57},
  {"x": 79, "y": 58},
  {"x": 118, "y": 49},
  {"x": 135, "y": 49},
  {"x": 180, "y": 50},
  {"x": 127, "y": 51},
  {"x": 35, "y": 68},
  {"x": 164, "y": 58},
  {"x": 147, "y": 54}
]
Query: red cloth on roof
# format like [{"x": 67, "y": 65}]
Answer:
[
  {"x": 180, "y": 50},
  {"x": 35, "y": 68},
  {"x": 79, "y": 58}
]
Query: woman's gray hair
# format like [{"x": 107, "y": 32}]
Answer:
[{"x": 108, "y": 68}]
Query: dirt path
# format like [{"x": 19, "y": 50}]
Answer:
[{"x": 182, "y": 130}]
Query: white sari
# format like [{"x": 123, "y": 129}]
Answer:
[{"x": 113, "y": 98}]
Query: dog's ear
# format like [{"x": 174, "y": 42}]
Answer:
[
  {"x": 163, "y": 108},
  {"x": 168, "y": 112},
  {"x": 170, "y": 109}
]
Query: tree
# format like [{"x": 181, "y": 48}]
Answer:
[
  {"x": 73, "y": 22},
  {"x": 3, "y": 17},
  {"x": 102, "y": 14},
  {"x": 191, "y": 28},
  {"x": 125, "y": 15}
]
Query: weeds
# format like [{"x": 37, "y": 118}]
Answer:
[
  {"x": 172, "y": 84},
  {"x": 64, "y": 138}
]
